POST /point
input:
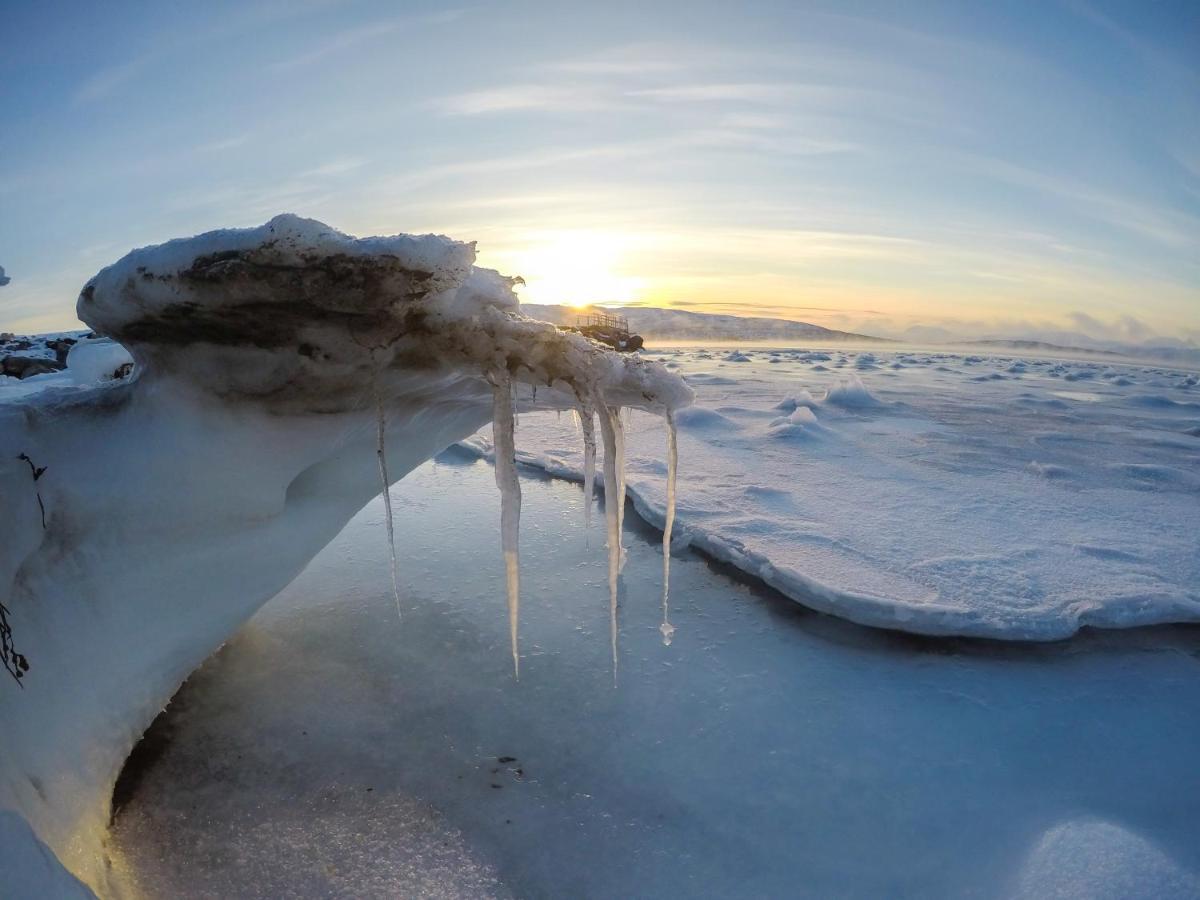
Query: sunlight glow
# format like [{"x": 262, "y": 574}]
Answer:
[{"x": 576, "y": 268}]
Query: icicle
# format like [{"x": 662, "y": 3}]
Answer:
[
  {"x": 381, "y": 454},
  {"x": 503, "y": 423},
  {"x": 667, "y": 629},
  {"x": 614, "y": 499},
  {"x": 619, "y": 439},
  {"x": 586, "y": 417}
]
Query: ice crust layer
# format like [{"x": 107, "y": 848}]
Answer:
[
  {"x": 939, "y": 493},
  {"x": 182, "y": 497}
]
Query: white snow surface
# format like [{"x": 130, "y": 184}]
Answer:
[
  {"x": 936, "y": 493},
  {"x": 182, "y": 496}
]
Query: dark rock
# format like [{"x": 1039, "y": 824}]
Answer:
[
  {"x": 24, "y": 366},
  {"x": 61, "y": 348}
]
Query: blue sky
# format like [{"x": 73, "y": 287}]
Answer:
[{"x": 978, "y": 168}]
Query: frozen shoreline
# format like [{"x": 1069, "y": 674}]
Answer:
[
  {"x": 768, "y": 751},
  {"x": 993, "y": 497}
]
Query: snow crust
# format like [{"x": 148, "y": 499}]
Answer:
[
  {"x": 182, "y": 495},
  {"x": 973, "y": 495}
]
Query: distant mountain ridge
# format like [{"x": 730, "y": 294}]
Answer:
[
  {"x": 682, "y": 325},
  {"x": 1039, "y": 346},
  {"x": 679, "y": 324},
  {"x": 1167, "y": 354}
]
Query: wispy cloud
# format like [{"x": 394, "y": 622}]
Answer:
[
  {"x": 517, "y": 97},
  {"x": 106, "y": 81},
  {"x": 223, "y": 144},
  {"x": 704, "y": 93},
  {"x": 1165, "y": 226},
  {"x": 334, "y": 168},
  {"x": 629, "y": 60},
  {"x": 354, "y": 37}
]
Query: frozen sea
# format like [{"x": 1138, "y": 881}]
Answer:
[
  {"x": 771, "y": 750},
  {"x": 994, "y": 496}
]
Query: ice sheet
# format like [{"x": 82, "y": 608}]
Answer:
[{"x": 932, "y": 492}]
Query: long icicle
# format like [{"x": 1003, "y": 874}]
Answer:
[
  {"x": 503, "y": 426},
  {"x": 619, "y": 437},
  {"x": 587, "y": 424},
  {"x": 667, "y": 629},
  {"x": 381, "y": 455},
  {"x": 608, "y": 428}
]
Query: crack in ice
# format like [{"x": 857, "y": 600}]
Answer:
[{"x": 381, "y": 454}]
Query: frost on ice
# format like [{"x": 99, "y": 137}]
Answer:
[{"x": 187, "y": 492}]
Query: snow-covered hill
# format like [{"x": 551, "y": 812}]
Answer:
[{"x": 681, "y": 325}]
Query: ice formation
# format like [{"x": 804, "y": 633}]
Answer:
[
  {"x": 614, "y": 507},
  {"x": 503, "y": 419},
  {"x": 667, "y": 629},
  {"x": 587, "y": 426},
  {"x": 188, "y": 490}
]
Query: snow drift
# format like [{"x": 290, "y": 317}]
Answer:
[
  {"x": 921, "y": 500},
  {"x": 149, "y": 512}
]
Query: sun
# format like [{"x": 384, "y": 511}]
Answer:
[{"x": 576, "y": 268}]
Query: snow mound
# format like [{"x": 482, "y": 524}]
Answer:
[
  {"x": 97, "y": 361},
  {"x": 800, "y": 424},
  {"x": 850, "y": 393},
  {"x": 699, "y": 418},
  {"x": 803, "y": 398}
]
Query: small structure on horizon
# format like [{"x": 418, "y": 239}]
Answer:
[{"x": 609, "y": 329}]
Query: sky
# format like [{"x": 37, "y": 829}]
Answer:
[{"x": 920, "y": 169}]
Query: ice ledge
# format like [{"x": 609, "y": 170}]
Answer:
[
  {"x": 181, "y": 497},
  {"x": 296, "y": 311}
]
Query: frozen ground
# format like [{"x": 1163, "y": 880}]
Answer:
[
  {"x": 938, "y": 493},
  {"x": 330, "y": 750}
]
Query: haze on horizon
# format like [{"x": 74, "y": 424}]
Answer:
[{"x": 1019, "y": 169}]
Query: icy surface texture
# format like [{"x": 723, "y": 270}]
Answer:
[
  {"x": 182, "y": 495},
  {"x": 769, "y": 752},
  {"x": 939, "y": 493}
]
